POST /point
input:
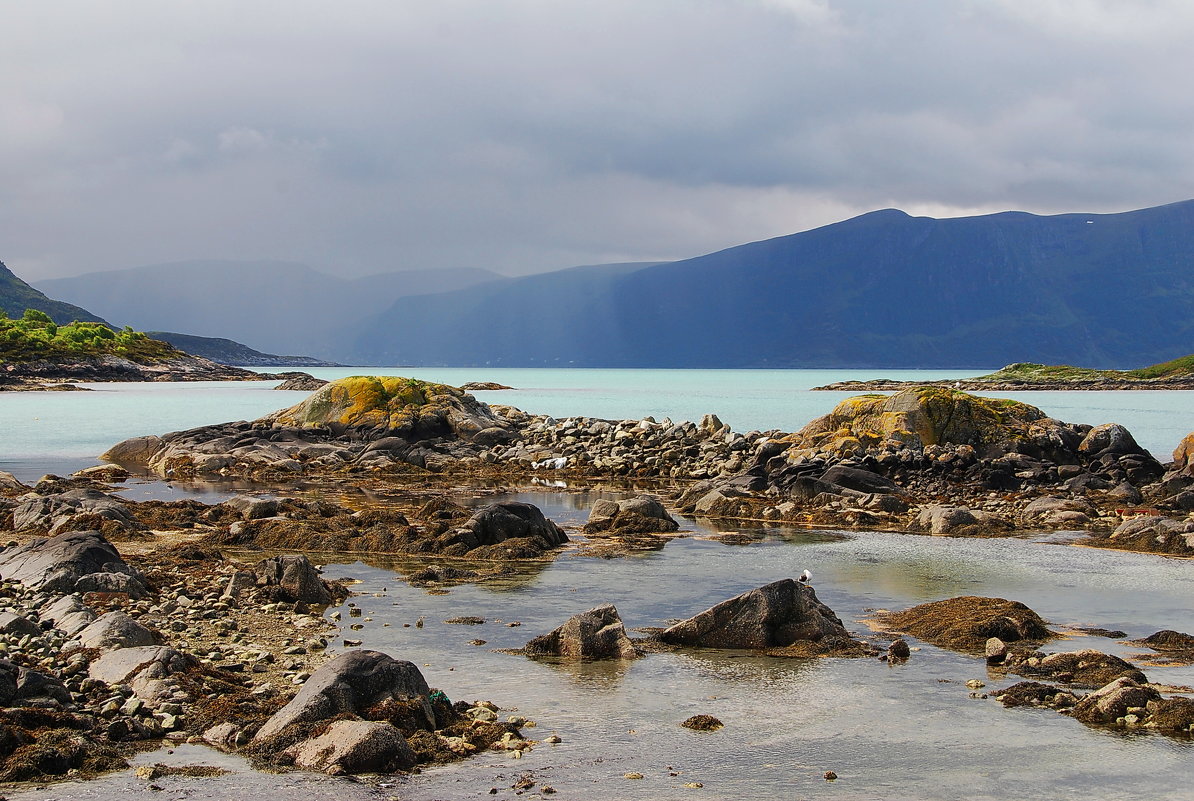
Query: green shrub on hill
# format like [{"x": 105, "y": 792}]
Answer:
[{"x": 35, "y": 337}]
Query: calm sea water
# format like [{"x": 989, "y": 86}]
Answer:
[
  {"x": 908, "y": 731},
  {"x": 65, "y": 431}
]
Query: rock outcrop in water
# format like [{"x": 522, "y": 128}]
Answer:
[
  {"x": 592, "y": 635},
  {"x": 968, "y": 622},
  {"x": 784, "y": 617}
]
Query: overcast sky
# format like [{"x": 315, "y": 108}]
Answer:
[{"x": 369, "y": 135}]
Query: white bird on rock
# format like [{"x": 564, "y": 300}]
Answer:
[{"x": 806, "y": 577}]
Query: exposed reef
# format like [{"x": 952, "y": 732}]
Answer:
[{"x": 927, "y": 460}]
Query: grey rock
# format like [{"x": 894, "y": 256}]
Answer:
[
  {"x": 355, "y": 746},
  {"x": 56, "y": 564},
  {"x": 351, "y": 683},
  {"x": 1111, "y": 702},
  {"x": 775, "y": 615},
  {"x": 68, "y": 614},
  {"x": 1110, "y": 438},
  {"x": 595, "y": 634},
  {"x": 134, "y": 452},
  {"x": 251, "y": 508},
  {"x": 942, "y": 519},
  {"x": 146, "y": 669},
  {"x": 297, "y": 577},
  {"x": 995, "y": 651},
  {"x": 860, "y": 480},
  {"x": 14, "y": 624},
  {"x": 499, "y": 522},
  {"x": 115, "y": 630},
  {"x": 642, "y": 514}
]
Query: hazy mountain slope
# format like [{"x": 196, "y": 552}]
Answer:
[
  {"x": 16, "y": 296},
  {"x": 525, "y": 321},
  {"x": 280, "y": 307},
  {"x": 883, "y": 289}
]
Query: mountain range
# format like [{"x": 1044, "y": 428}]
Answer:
[
  {"x": 280, "y": 307},
  {"x": 884, "y": 289},
  {"x": 881, "y": 290}
]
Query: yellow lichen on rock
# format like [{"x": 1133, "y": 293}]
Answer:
[
  {"x": 390, "y": 403},
  {"x": 915, "y": 418}
]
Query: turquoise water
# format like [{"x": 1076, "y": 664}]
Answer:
[{"x": 65, "y": 431}]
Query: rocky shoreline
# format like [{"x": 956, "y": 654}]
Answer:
[
  {"x": 928, "y": 460},
  {"x": 54, "y": 374}
]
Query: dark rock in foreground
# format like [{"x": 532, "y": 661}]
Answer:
[{"x": 353, "y": 683}]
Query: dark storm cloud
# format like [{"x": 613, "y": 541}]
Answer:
[{"x": 522, "y": 136}]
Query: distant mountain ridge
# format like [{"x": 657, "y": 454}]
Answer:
[
  {"x": 880, "y": 290},
  {"x": 279, "y": 307},
  {"x": 16, "y": 296},
  {"x": 226, "y": 351}
]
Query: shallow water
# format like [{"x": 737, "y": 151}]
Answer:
[{"x": 907, "y": 731}]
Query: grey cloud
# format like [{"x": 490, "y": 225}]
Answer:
[{"x": 524, "y": 136}]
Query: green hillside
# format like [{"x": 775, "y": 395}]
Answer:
[{"x": 16, "y": 296}]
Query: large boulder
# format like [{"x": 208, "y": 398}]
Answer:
[
  {"x": 296, "y": 578},
  {"x": 59, "y": 563},
  {"x": 775, "y": 615},
  {"x": 1109, "y": 438},
  {"x": 941, "y": 519},
  {"x": 501, "y": 522},
  {"x": 967, "y": 622},
  {"x": 115, "y": 630},
  {"x": 403, "y": 407},
  {"x": 595, "y": 634},
  {"x": 928, "y": 416},
  {"x": 860, "y": 480},
  {"x": 18, "y": 626},
  {"x": 355, "y": 746},
  {"x": 641, "y": 515},
  {"x": 21, "y": 686},
  {"x": 135, "y": 452},
  {"x": 352, "y": 683}
]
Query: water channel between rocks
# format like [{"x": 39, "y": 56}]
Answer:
[{"x": 888, "y": 731}]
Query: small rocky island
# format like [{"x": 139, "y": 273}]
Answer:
[
  {"x": 1027, "y": 376},
  {"x": 38, "y": 354}
]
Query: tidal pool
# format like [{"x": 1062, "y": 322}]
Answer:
[{"x": 908, "y": 731}]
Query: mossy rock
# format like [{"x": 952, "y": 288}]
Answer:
[
  {"x": 396, "y": 405},
  {"x": 918, "y": 417}
]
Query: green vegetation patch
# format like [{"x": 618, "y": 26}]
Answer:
[
  {"x": 35, "y": 337},
  {"x": 1029, "y": 372}
]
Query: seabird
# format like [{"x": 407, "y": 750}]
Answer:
[{"x": 806, "y": 577}]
